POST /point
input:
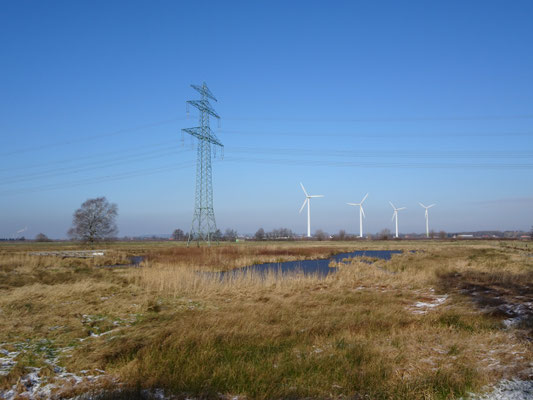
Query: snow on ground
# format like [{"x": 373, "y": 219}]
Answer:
[
  {"x": 7, "y": 360},
  {"x": 34, "y": 385},
  {"x": 431, "y": 301},
  {"x": 508, "y": 390},
  {"x": 518, "y": 312}
]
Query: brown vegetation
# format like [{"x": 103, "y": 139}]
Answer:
[{"x": 405, "y": 328}]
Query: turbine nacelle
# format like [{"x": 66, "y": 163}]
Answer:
[
  {"x": 360, "y": 205},
  {"x": 395, "y": 212},
  {"x": 426, "y": 207}
]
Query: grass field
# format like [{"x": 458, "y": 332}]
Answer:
[{"x": 440, "y": 323}]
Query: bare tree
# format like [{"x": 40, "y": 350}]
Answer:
[
  {"x": 341, "y": 235},
  {"x": 260, "y": 234},
  {"x": 230, "y": 235},
  {"x": 320, "y": 235},
  {"x": 94, "y": 221},
  {"x": 280, "y": 233},
  {"x": 41, "y": 237},
  {"x": 217, "y": 235},
  {"x": 178, "y": 234},
  {"x": 385, "y": 234},
  {"x": 442, "y": 235}
]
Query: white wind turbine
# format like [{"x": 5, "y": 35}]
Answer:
[
  {"x": 361, "y": 214},
  {"x": 427, "y": 217},
  {"x": 395, "y": 215},
  {"x": 308, "y": 201},
  {"x": 19, "y": 232}
]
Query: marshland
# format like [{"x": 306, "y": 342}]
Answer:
[{"x": 440, "y": 320}]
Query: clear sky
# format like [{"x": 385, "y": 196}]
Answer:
[{"x": 410, "y": 101}]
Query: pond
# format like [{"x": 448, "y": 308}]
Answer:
[{"x": 318, "y": 267}]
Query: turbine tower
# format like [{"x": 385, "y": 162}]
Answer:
[
  {"x": 203, "y": 221},
  {"x": 308, "y": 201},
  {"x": 427, "y": 217},
  {"x": 395, "y": 215},
  {"x": 361, "y": 214}
]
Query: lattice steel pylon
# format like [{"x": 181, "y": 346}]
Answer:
[{"x": 203, "y": 221}]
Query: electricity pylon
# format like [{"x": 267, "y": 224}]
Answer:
[{"x": 203, "y": 221}]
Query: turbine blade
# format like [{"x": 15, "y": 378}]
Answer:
[
  {"x": 393, "y": 215},
  {"x": 316, "y": 195},
  {"x": 303, "y": 205},
  {"x": 364, "y": 198},
  {"x": 431, "y": 205},
  {"x": 302, "y": 185},
  {"x": 352, "y": 204},
  {"x": 401, "y": 208},
  {"x": 422, "y": 205},
  {"x": 392, "y": 205},
  {"x": 362, "y": 211}
]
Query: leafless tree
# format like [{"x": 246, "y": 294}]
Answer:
[
  {"x": 41, "y": 237},
  {"x": 94, "y": 221},
  {"x": 260, "y": 234},
  {"x": 385, "y": 234},
  {"x": 341, "y": 235},
  {"x": 280, "y": 233},
  {"x": 178, "y": 234},
  {"x": 320, "y": 235},
  {"x": 230, "y": 235}
]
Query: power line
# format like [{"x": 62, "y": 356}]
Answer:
[
  {"x": 300, "y": 119},
  {"x": 91, "y": 137},
  {"x": 377, "y": 135},
  {"x": 99, "y": 179},
  {"x": 289, "y": 162},
  {"x": 293, "y": 152},
  {"x": 322, "y": 163},
  {"x": 112, "y": 154},
  {"x": 362, "y": 153},
  {"x": 68, "y": 171},
  {"x": 390, "y": 119}
]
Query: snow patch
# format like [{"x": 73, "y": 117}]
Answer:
[
  {"x": 7, "y": 362},
  {"x": 508, "y": 390},
  {"x": 422, "y": 307}
]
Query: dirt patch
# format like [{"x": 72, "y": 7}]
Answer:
[{"x": 508, "y": 299}]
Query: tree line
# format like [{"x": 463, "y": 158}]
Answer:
[{"x": 95, "y": 221}]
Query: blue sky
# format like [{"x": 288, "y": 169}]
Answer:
[{"x": 409, "y": 101}]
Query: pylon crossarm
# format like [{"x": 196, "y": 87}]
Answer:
[
  {"x": 203, "y": 105},
  {"x": 199, "y": 133},
  {"x": 204, "y": 91}
]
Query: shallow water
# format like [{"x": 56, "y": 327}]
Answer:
[
  {"x": 135, "y": 261},
  {"x": 309, "y": 267}
]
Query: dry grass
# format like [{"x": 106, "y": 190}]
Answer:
[
  {"x": 354, "y": 333},
  {"x": 224, "y": 258}
]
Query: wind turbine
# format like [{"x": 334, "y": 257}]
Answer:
[
  {"x": 19, "y": 232},
  {"x": 308, "y": 201},
  {"x": 395, "y": 215},
  {"x": 361, "y": 214},
  {"x": 427, "y": 217}
]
